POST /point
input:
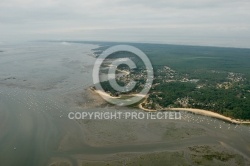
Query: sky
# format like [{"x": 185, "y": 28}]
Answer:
[{"x": 188, "y": 22}]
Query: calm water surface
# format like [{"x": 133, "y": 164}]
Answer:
[{"x": 34, "y": 79}]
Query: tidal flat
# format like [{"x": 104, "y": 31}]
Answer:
[{"x": 41, "y": 82}]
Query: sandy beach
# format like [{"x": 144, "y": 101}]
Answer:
[
  {"x": 193, "y": 110},
  {"x": 201, "y": 112},
  {"x": 211, "y": 114},
  {"x": 105, "y": 95}
]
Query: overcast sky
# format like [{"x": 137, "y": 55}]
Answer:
[{"x": 193, "y": 22}]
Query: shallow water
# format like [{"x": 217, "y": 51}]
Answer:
[{"x": 37, "y": 86}]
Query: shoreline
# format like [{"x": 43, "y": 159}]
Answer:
[
  {"x": 192, "y": 110},
  {"x": 101, "y": 93},
  {"x": 200, "y": 112}
]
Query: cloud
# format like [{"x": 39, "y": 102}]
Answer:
[{"x": 216, "y": 21}]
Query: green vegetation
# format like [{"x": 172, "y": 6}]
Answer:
[{"x": 212, "y": 78}]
